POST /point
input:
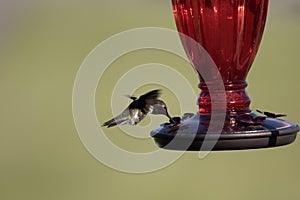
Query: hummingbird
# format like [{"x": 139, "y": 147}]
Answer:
[
  {"x": 271, "y": 115},
  {"x": 139, "y": 108}
]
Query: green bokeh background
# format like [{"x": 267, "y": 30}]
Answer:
[{"x": 41, "y": 155}]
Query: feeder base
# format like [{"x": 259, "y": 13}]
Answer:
[{"x": 191, "y": 134}]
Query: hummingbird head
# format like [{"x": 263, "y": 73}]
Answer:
[
  {"x": 175, "y": 120},
  {"x": 131, "y": 97}
]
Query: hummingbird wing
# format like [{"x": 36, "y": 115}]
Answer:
[
  {"x": 152, "y": 103},
  {"x": 154, "y": 94},
  {"x": 145, "y": 100},
  {"x": 150, "y": 97}
]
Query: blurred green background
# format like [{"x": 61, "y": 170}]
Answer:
[{"x": 43, "y": 44}]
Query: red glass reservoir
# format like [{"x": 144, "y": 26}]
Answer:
[{"x": 230, "y": 31}]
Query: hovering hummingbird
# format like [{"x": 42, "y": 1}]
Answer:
[
  {"x": 139, "y": 108},
  {"x": 271, "y": 115}
]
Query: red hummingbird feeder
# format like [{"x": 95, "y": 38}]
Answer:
[{"x": 230, "y": 31}]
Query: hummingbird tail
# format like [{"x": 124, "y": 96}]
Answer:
[
  {"x": 110, "y": 123},
  {"x": 115, "y": 121}
]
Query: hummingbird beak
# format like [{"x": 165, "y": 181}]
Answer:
[{"x": 170, "y": 119}]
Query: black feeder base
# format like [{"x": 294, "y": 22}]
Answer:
[{"x": 191, "y": 133}]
